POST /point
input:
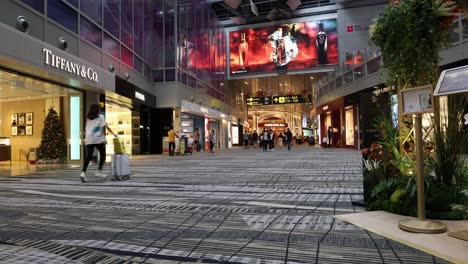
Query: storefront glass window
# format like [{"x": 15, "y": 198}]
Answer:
[
  {"x": 111, "y": 17},
  {"x": 24, "y": 104},
  {"x": 90, "y": 32},
  {"x": 62, "y": 14},
  {"x": 36, "y": 4},
  {"x": 93, "y": 9}
]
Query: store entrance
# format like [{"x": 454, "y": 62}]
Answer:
[{"x": 25, "y": 103}]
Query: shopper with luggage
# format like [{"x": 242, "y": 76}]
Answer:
[
  {"x": 171, "y": 139},
  {"x": 95, "y": 137}
]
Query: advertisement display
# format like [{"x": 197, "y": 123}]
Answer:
[
  {"x": 235, "y": 135},
  {"x": 294, "y": 46}
]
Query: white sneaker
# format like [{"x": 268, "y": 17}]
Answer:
[
  {"x": 100, "y": 174},
  {"x": 83, "y": 177}
]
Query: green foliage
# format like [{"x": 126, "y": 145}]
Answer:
[
  {"x": 394, "y": 162},
  {"x": 449, "y": 140},
  {"x": 53, "y": 143},
  {"x": 410, "y": 36}
]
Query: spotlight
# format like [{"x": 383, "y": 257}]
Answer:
[
  {"x": 111, "y": 67},
  {"x": 63, "y": 44},
  {"x": 200, "y": 102},
  {"x": 22, "y": 24},
  {"x": 127, "y": 76},
  {"x": 192, "y": 99}
]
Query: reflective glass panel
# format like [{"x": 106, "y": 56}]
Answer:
[
  {"x": 36, "y": 4},
  {"x": 93, "y": 9},
  {"x": 62, "y": 14},
  {"x": 111, "y": 16},
  {"x": 111, "y": 46},
  {"x": 127, "y": 56},
  {"x": 126, "y": 19},
  {"x": 90, "y": 32}
]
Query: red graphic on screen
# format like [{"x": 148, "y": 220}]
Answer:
[{"x": 288, "y": 46}]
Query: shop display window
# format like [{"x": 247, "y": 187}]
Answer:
[{"x": 119, "y": 119}]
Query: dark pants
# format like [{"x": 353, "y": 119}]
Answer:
[
  {"x": 272, "y": 144},
  {"x": 288, "y": 142},
  {"x": 265, "y": 144},
  {"x": 246, "y": 143},
  {"x": 330, "y": 139},
  {"x": 171, "y": 148},
  {"x": 211, "y": 145},
  {"x": 89, "y": 155}
]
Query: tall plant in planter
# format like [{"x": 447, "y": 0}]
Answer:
[{"x": 410, "y": 35}]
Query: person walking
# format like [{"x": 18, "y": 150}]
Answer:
[
  {"x": 95, "y": 137},
  {"x": 272, "y": 140},
  {"x": 330, "y": 135},
  {"x": 196, "y": 140},
  {"x": 171, "y": 139},
  {"x": 266, "y": 140},
  {"x": 254, "y": 138},
  {"x": 212, "y": 138},
  {"x": 246, "y": 139},
  {"x": 281, "y": 140},
  {"x": 288, "y": 138}
]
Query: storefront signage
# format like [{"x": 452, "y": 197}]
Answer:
[
  {"x": 140, "y": 96},
  {"x": 203, "y": 110},
  {"x": 264, "y": 100},
  {"x": 325, "y": 108},
  {"x": 272, "y": 125},
  {"x": 417, "y": 100},
  {"x": 68, "y": 66},
  {"x": 289, "y": 99}
]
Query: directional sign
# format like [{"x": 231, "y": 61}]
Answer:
[
  {"x": 265, "y": 100},
  {"x": 290, "y": 99}
]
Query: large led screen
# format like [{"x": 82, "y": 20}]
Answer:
[{"x": 294, "y": 46}]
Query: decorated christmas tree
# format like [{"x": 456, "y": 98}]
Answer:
[{"x": 53, "y": 144}]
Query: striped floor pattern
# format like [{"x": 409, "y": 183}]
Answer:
[{"x": 233, "y": 206}]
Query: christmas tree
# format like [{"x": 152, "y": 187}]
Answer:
[{"x": 53, "y": 143}]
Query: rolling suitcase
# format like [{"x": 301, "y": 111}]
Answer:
[{"x": 121, "y": 166}]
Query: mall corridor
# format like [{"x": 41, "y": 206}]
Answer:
[{"x": 233, "y": 206}]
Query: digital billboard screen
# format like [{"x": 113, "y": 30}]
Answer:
[{"x": 293, "y": 46}]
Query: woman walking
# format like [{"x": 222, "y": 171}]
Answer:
[
  {"x": 95, "y": 137},
  {"x": 212, "y": 139}
]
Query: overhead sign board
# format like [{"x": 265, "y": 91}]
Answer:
[
  {"x": 264, "y": 100},
  {"x": 452, "y": 81},
  {"x": 417, "y": 100},
  {"x": 290, "y": 99}
]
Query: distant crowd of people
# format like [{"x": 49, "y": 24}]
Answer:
[{"x": 267, "y": 139}]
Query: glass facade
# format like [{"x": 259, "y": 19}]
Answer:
[{"x": 164, "y": 40}]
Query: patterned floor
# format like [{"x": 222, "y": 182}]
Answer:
[{"x": 233, "y": 206}]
